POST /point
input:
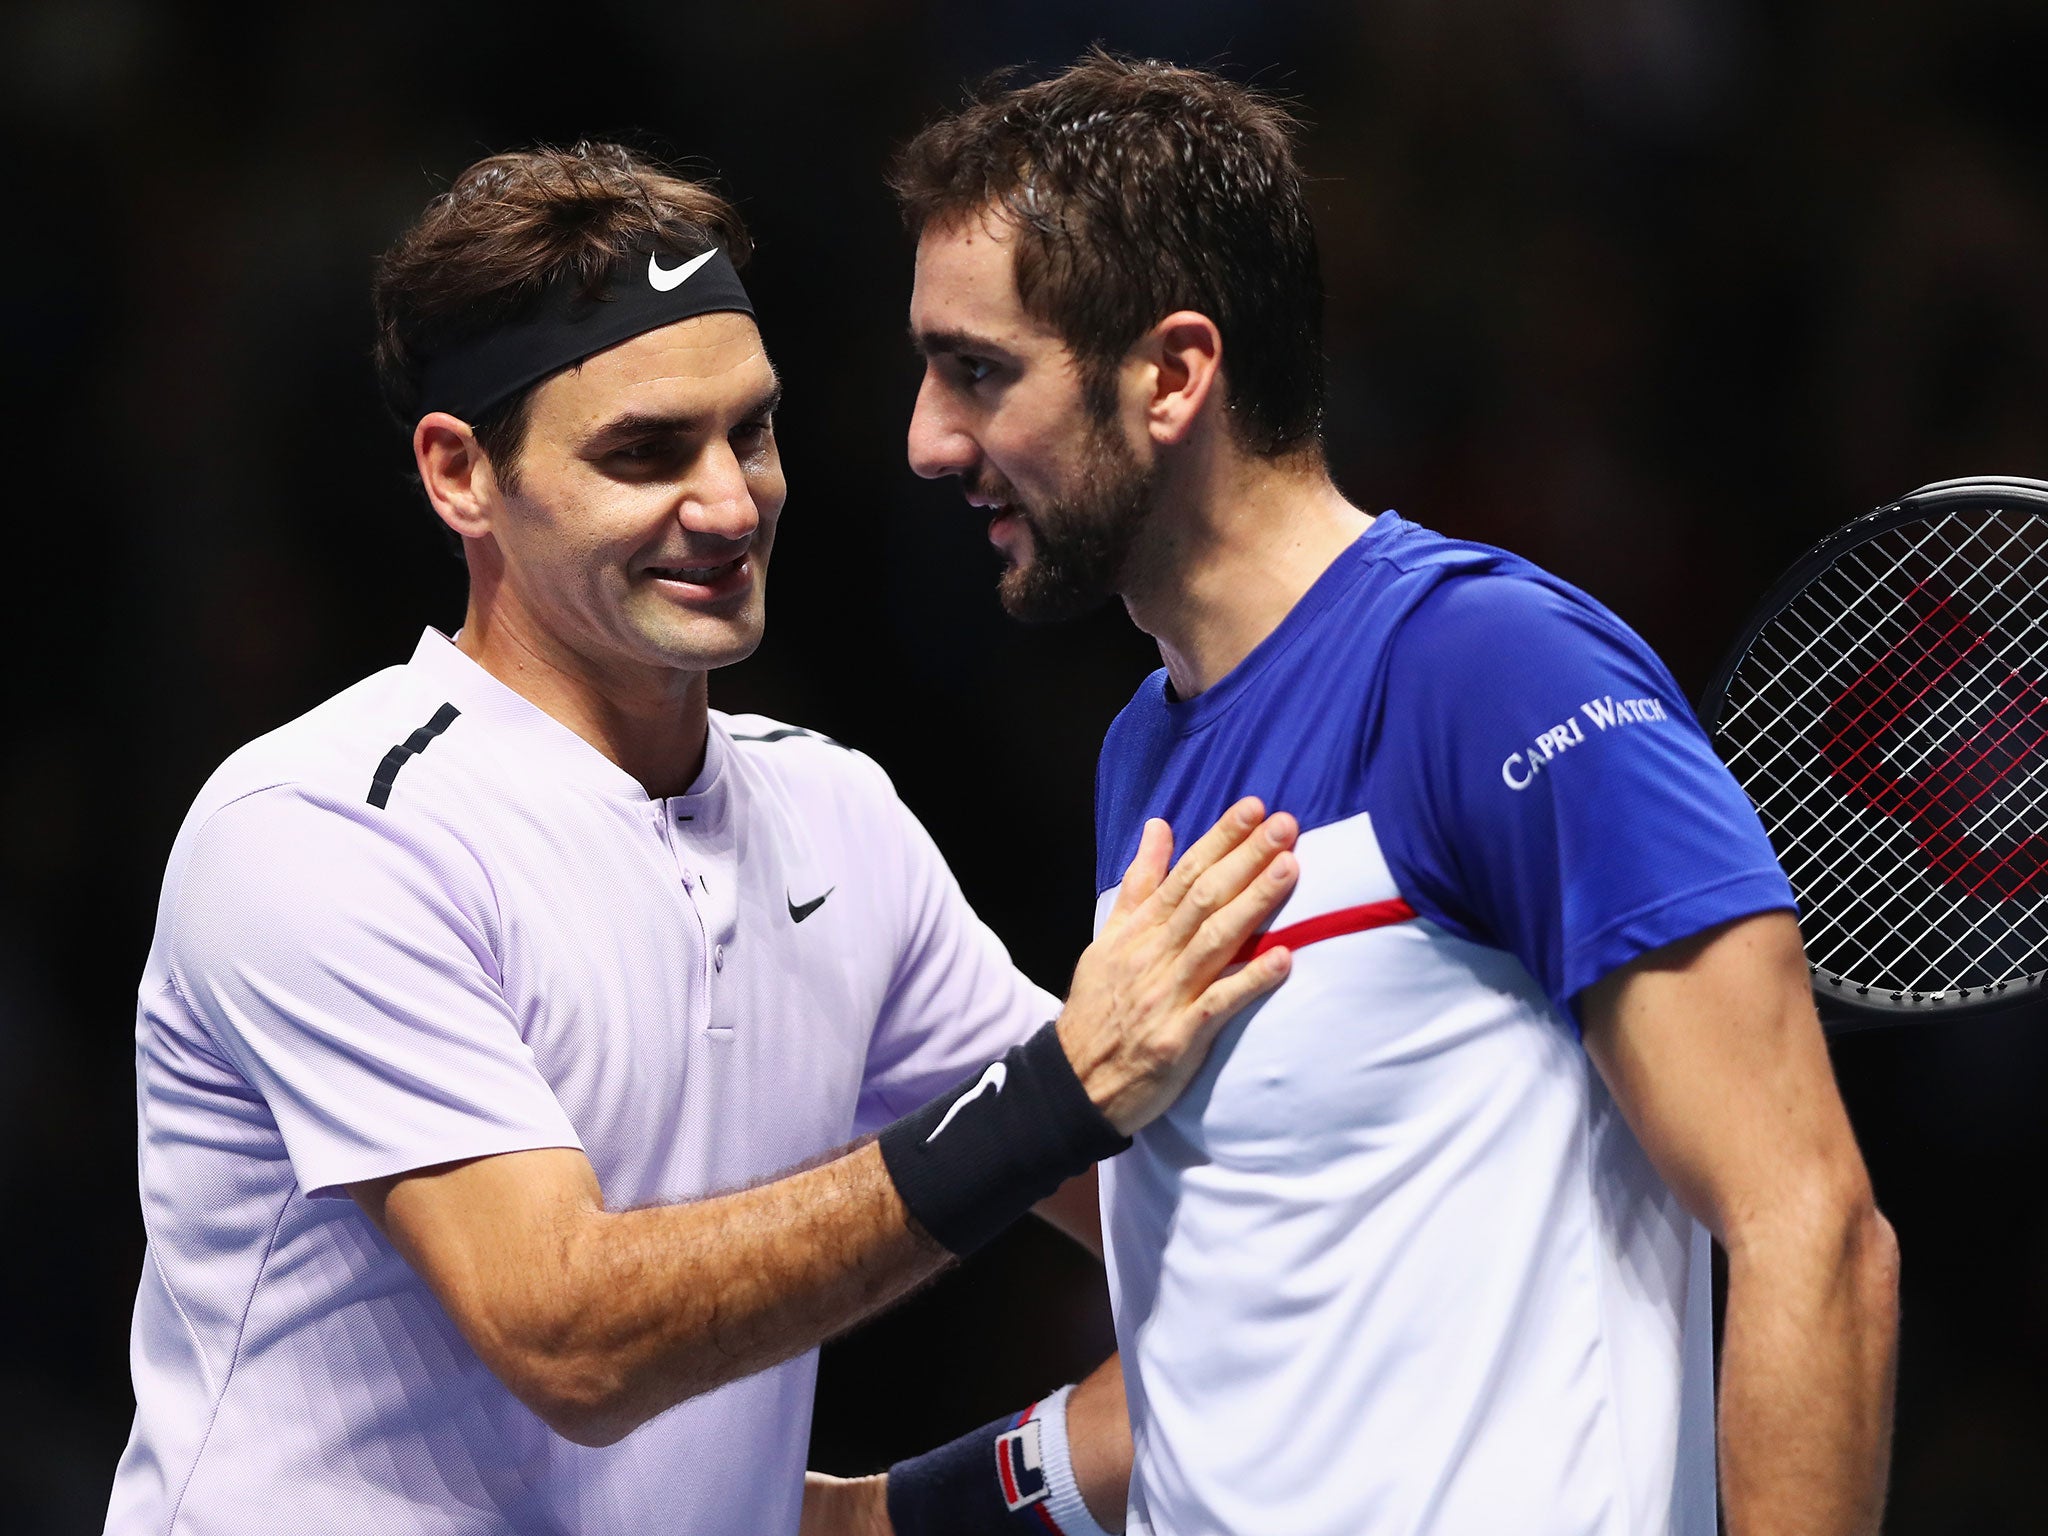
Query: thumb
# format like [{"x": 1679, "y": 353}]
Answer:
[{"x": 1147, "y": 869}]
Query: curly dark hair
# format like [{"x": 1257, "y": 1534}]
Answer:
[
  {"x": 485, "y": 250},
  {"x": 1138, "y": 188}
]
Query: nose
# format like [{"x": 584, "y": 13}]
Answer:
[
  {"x": 717, "y": 499},
  {"x": 939, "y": 445}
]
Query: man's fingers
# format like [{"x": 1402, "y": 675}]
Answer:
[
  {"x": 1224, "y": 933},
  {"x": 1147, "y": 999},
  {"x": 1147, "y": 868},
  {"x": 1228, "y": 996},
  {"x": 1239, "y": 873},
  {"x": 1231, "y": 829}
]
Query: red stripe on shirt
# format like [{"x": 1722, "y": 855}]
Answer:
[{"x": 1330, "y": 925}]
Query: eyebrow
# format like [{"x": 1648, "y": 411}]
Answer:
[
  {"x": 946, "y": 343},
  {"x": 634, "y": 424}
]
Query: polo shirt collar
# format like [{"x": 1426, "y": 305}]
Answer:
[{"x": 544, "y": 745}]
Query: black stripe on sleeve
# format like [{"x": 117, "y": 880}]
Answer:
[
  {"x": 387, "y": 771},
  {"x": 795, "y": 730}
]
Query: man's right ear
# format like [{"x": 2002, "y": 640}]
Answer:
[{"x": 456, "y": 473}]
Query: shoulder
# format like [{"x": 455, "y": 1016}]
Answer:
[
  {"x": 298, "y": 809},
  {"x": 288, "y": 877},
  {"x": 337, "y": 748},
  {"x": 1496, "y": 672},
  {"x": 761, "y": 731},
  {"x": 1504, "y": 624},
  {"x": 808, "y": 765}
]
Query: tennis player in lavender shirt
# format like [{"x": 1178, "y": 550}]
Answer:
[{"x": 473, "y": 989}]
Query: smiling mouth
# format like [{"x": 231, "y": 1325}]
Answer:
[{"x": 698, "y": 575}]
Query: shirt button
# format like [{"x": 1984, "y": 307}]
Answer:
[{"x": 718, "y": 958}]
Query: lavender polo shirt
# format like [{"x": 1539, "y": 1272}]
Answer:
[{"x": 427, "y": 922}]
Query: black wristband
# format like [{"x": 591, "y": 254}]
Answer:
[
  {"x": 960, "y": 1489},
  {"x": 975, "y": 1159}
]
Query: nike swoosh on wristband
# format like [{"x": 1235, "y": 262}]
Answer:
[
  {"x": 798, "y": 913},
  {"x": 662, "y": 279},
  {"x": 993, "y": 1076}
]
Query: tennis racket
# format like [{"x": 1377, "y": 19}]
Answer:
[{"x": 1886, "y": 711}]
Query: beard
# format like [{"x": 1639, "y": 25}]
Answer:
[{"x": 1081, "y": 541}]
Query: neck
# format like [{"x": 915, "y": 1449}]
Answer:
[
  {"x": 652, "y": 722},
  {"x": 1233, "y": 545}
]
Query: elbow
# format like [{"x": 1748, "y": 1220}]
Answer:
[
  {"x": 545, "y": 1341},
  {"x": 546, "y": 1356},
  {"x": 580, "y": 1425},
  {"x": 590, "y": 1389},
  {"x": 1864, "y": 1246},
  {"x": 1875, "y": 1250},
  {"x": 575, "y": 1397},
  {"x": 595, "y": 1402},
  {"x": 1829, "y": 1229}
]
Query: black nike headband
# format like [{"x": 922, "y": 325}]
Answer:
[{"x": 647, "y": 290}]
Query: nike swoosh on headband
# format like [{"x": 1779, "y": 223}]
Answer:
[
  {"x": 571, "y": 320},
  {"x": 662, "y": 279},
  {"x": 994, "y": 1076}
]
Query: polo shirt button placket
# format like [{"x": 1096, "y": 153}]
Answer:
[{"x": 693, "y": 883}]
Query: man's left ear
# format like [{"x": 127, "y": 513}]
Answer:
[{"x": 1185, "y": 351}]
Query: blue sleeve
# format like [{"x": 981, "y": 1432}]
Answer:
[{"x": 1543, "y": 788}]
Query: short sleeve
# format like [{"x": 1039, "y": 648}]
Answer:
[
  {"x": 342, "y": 962},
  {"x": 1544, "y": 788},
  {"x": 955, "y": 1001}
]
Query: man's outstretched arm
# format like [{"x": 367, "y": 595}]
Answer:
[
  {"x": 1713, "y": 1053},
  {"x": 598, "y": 1320}
]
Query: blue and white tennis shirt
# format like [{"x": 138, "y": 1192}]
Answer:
[{"x": 1395, "y": 1264}]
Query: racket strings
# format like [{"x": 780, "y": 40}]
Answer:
[
  {"x": 1978, "y": 758},
  {"x": 1890, "y": 725},
  {"x": 1868, "y": 859},
  {"x": 1937, "y": 836}
]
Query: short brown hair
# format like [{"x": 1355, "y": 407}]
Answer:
[
  {"x": 1138, "y": 188},
  {"x": 484, "y": 252}
]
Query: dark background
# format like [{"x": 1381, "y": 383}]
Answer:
[{"x": 1654, "y": 291}]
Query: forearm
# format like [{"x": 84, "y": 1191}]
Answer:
[
  {"x": 1099, "y": 1443},
  {"x": 1806, "y": 1380},
  {"x": 645, "y": 1308}
]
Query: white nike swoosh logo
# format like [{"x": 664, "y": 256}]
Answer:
[
  {"x": 664, "y": 278},
  {"x": 993, "y": 1076}
]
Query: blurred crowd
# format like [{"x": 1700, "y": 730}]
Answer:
[{"x": 1653, "y": 291}]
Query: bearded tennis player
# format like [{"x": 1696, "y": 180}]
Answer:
[
  {"x": 1424, "y": 1250},
  {"x": 489, "y": 999}
]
